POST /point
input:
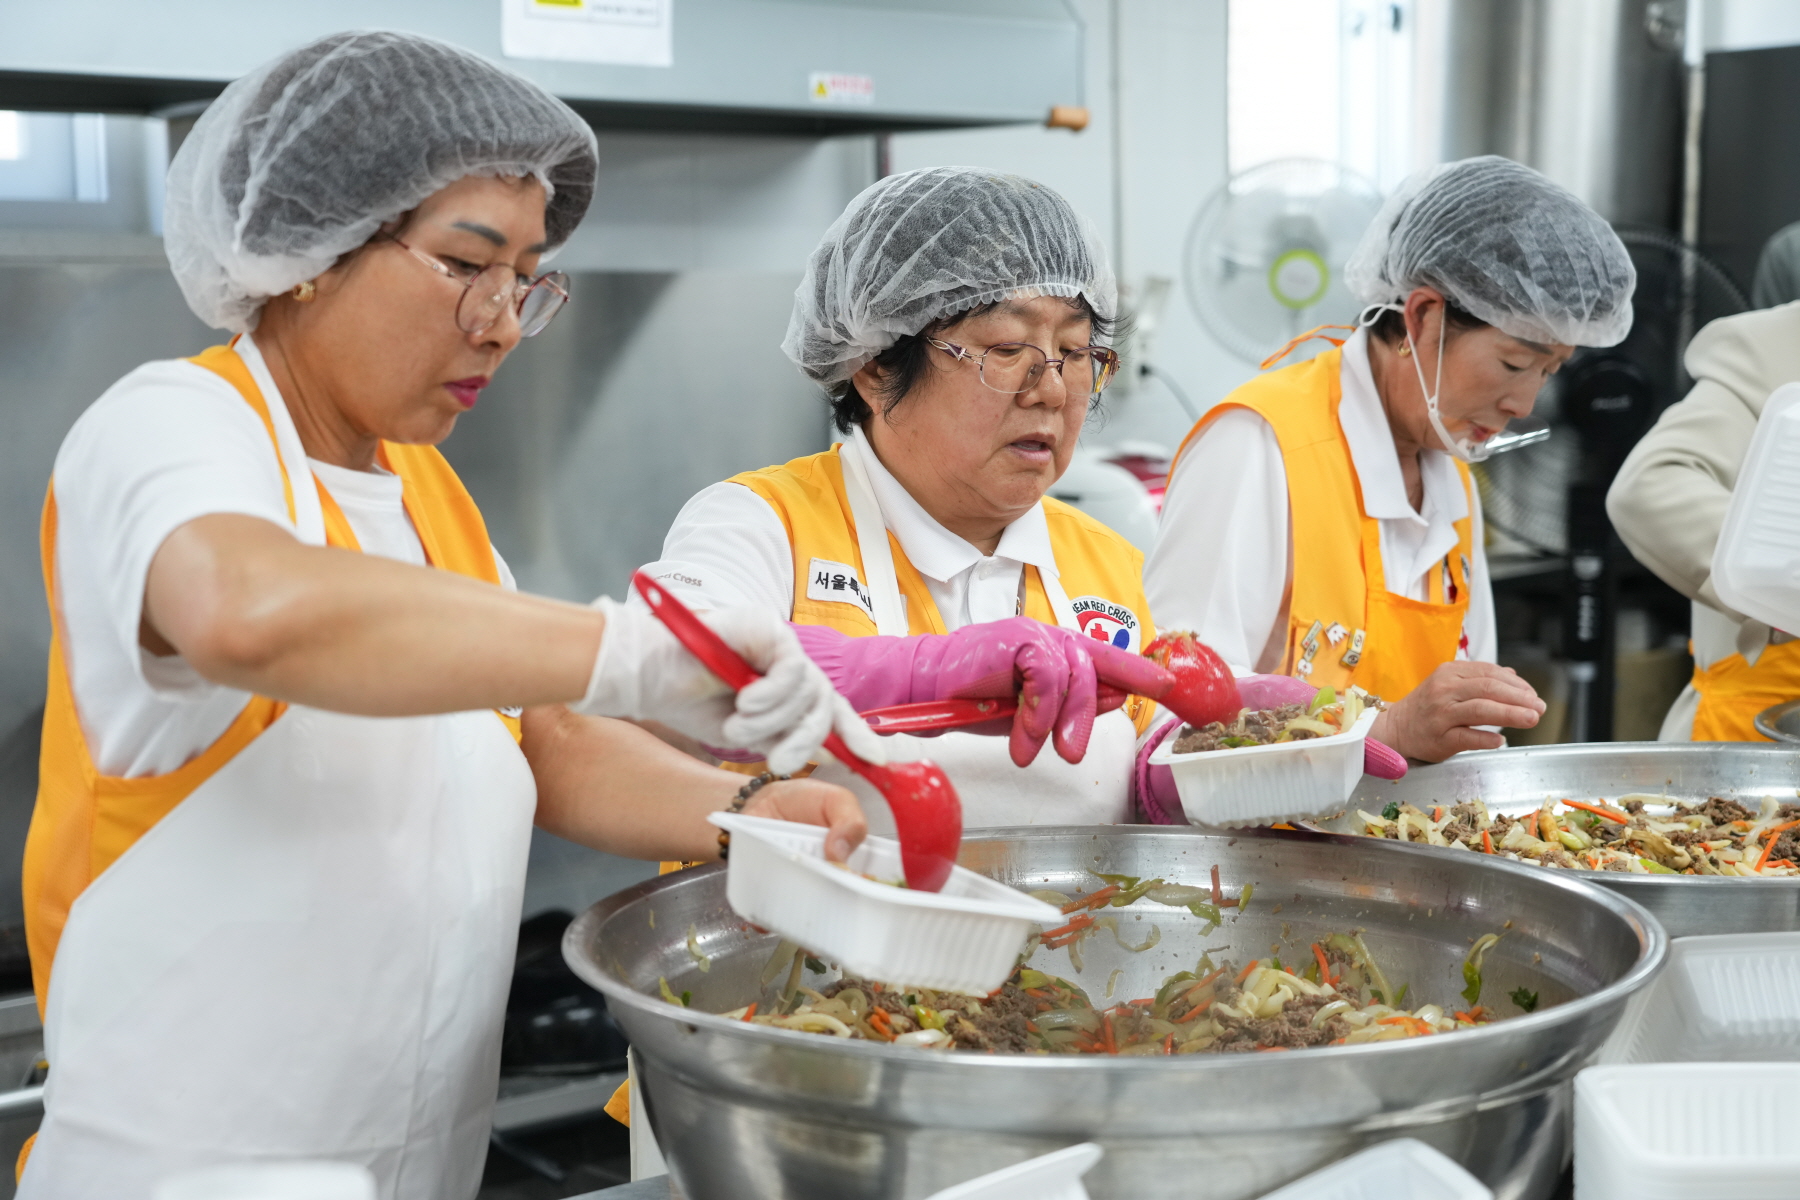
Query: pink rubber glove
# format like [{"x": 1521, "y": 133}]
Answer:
[
  {"x": 1054, "y": 672},
  {"x": 1158, "y": 800}
]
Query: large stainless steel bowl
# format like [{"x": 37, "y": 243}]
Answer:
[
  {"x": 1516, "y": 781},
  {"x": 746, "y": 1111},
  {"x": 1780, "y": 722}
]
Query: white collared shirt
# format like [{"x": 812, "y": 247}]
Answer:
[
  {"x": 727, "y": 547},
  {"x": 169, "y": 443},
  {"x": 1221, "y": 565}
]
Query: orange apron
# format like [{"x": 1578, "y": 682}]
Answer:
[
  {"x": 1344, "y": 625},
  {"x": 1733, "y": 691}
]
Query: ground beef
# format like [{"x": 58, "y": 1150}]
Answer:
[
  {"x": 1558, "y": 858},
  {"x": 1290, "y": 1029},
  {"x": 1260, "y": 727},
  {"x": 1688, "y": 837},
  {"x": 998, "y": 1024},
  {"x": 1633, "y": 807},
  {"x": 1787, "y": 846},
  {"x": 1458, "y": 831},
  {"x": 1723, "y": 812}
]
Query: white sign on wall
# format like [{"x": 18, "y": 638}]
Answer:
[
  {"x": 834, "y": 87},
  {"x": 632, "y": 33}
]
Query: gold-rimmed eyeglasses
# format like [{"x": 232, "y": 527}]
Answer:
[
  {"x": 490, "y": 290},
  {"x": 1014, "y": 367}
]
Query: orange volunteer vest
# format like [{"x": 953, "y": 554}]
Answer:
[
  {"x": 1733, "y": 691},
  {"x": 84, "y": 821},
  {"x": 1101, "y": 571},
  {"x": 1344, "y": 626}
]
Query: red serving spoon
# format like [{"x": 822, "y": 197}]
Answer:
[{"x": 927, "y": 812}]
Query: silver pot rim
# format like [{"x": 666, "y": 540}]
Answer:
[{"x": 1652, "y": 942}]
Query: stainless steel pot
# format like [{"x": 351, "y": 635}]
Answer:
[
  {"x": 746, "y": 1111},
  {"x": 1780, "y": 722},
  {"x": 1516, "y": 781}
]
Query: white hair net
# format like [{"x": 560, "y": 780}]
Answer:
[
  {"x": 927, "y": 244},
  {"x": 304, "y": 158},
  {"x": 1504, "y": 244}
]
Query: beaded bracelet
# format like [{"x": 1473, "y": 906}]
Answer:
[{"x": 742, "y": 798}]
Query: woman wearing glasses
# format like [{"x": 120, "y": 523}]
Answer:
[
  {"x": 274, "y": 875},
  {"x": 955, "y": 318}
]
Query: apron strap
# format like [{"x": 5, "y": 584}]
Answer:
[
  {"x": 1059, "y": 599},
  {"x": 872, "y": 541}
]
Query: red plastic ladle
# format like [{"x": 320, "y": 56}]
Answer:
[{"x": 927, "y": 812}]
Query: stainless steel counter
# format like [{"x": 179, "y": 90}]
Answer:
[{"x": 659, "y": 1188}]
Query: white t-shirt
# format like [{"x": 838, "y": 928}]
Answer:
[
  {"x": 727, "y": 547},
  {"x": 169, "y": 443},
  {"x": 1221, "y": 566}
]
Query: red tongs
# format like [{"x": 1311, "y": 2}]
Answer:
[
  {"x": 927, "y": 812},
  {"x": 939, "y": 716}
]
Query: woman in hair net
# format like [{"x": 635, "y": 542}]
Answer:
[
  {"x": 274, "y": 875},
  {"x": 958, "y": 320},
  {"x": 1320, "y": 522}
]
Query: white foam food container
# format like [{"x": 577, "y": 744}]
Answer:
[
  {"x": 1728, "y": 998},
  {"x": 1756, "y": 561},
  {"x": 1687, "y": 1131},
  {"x": 1255, "y": 785},
  {"x": 1403, "y": 1169},
  {"x": 1054, "y": 1176},
  {"x": 965, "y": 938}
]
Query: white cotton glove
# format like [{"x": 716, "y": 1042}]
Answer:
[{"x": 644, "y": 674}]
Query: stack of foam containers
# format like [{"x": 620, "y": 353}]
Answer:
[
  {"x": 1403, "y": 1169},
  {"x": 1697, "y": 1096},
  {"x": 965, "y": 938},
  {"x": 1054, "y": 1176},
  {"x": 1756, "y": 561},
  {"x": 1259, "y": 785}
]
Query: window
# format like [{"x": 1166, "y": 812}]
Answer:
[
  {"x": 1328, "y": 79},
  {"x": 53, "y": 156}
]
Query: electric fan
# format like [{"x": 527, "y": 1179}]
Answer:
[{"x": 1265, "y": 257}]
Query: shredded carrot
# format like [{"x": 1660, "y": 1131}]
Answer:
[
  {"x": 751, "y": 1011},
  {"x": 1031, "y": 1026},
  {"x": 1487, "y": 842},
  {"x": 1189, "y": 994},
  {"x": 1075, "y": 926},
  {"x": 1600, "y": 811},
  {"x": 1773, "y": 836},
  {"x": 1169, "y": 1044},
  {"x": 1141, "y": 1003},
  {"x": 1185, "y": 1017},
  {"x": 1476, "y": 1013},
  {"x": 1037, "y": 993},
  {"x": 1395, "y": 1020},
  {"x": 1245, "y": 973},
  {"x": 1324, "y": 967},
  {"x": 1092, "y": 899},
  {"x": 1269, "y": 1049},
  {"x": 1218, "y": 896},
  {"x": 1437, "y": 813},
  {"x": 881, "y": 1024},
  {"x": 1112, "y": 1040}
]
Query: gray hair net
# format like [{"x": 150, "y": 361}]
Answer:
[
  {"x": 304, "y": 158},
  {"x": 1504, "y": 244},
  {"x": 927, "y": 244}
]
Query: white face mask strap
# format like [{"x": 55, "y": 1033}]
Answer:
[{"x": 1458, "y": 447}]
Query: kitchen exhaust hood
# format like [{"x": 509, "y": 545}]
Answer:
[{"x": 749, "y": 66}]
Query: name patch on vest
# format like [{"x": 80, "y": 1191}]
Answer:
[
  {"x": 1104, "y": 621},
  {"x": 837, "y": 582}
]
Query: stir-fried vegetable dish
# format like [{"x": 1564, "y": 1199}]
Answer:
[
  {"x": 1719, "y": 837},
  {"x": 1324, "y": 716},
  {"x": 1336, "y": 994}
]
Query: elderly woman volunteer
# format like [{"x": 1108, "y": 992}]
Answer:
[
  {"x": 955, "y": 317},
  {"x": 1320, "y": 522},
  {"x": 274, "y": 875}
]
